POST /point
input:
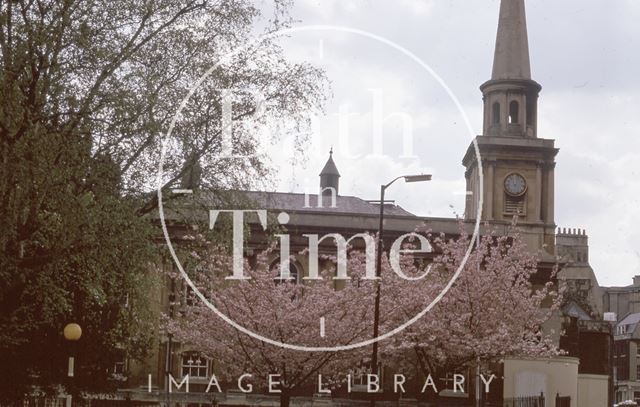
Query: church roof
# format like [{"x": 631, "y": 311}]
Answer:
[
  {"x": 295, "y": 202},
  {"x": 192, "y": 204},
  {"x": 330, "y": 167},
  {"x": 511, "y": 60}
]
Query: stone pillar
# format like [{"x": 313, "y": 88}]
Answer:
[
  {"x": 487, "y": 115},
  {"x": 550, "y": 194},
  {"x": 468, "y": 210},
  {"x": 539, "y": 201},
  {"x": 633, "y": 365},
  {"x": 504, "y": 125},
  {"x": 524, "y": 111},
  {"x": 490, "y": 191}
]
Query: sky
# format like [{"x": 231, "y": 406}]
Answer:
[{"x": 585, "y": 54}]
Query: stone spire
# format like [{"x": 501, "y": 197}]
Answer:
[
  {"x": 511, "y": 59},
  {"x": 511, "y": 96},
  {"x": 329, "y": 177}
]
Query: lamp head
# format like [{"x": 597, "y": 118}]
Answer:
[
  {"x": 72, "y": 332},
  {"x": 417, "y": 178}
]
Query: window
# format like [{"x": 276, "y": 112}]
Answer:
[
  {"x": 294, "y": 271},
  {"x": 189, "y": 296},
  {"x": 199, "y": 278},
  {"x": 514, "y": 111},
  {"x": 496, "y": 113},
  {"x": 621, "y": 361},
  {"x": 514, "y": 205},
  {"x": 119, "y": 370},
  {"x": 194, "y": 365},
  {"x": 120, "y": 367}
]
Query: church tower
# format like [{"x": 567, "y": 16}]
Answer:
[{"x": 518, "y": 167}]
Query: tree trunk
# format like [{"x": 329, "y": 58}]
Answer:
[{"x": 285, "y": 398}]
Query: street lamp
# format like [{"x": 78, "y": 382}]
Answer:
[
  {"x": 612, "y": 319},
  {"x": 72, "y": 333},
  {"x": 376, "y": 310}
]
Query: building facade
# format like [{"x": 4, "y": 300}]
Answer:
[
  {"x": 519, "y": 169},
  {"x": 623, "y": 307}
]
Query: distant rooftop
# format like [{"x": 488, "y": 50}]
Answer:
[
  {"x": 631, "y": 321},
  {"x": 572, "y": 309}
]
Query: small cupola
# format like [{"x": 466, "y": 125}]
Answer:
[{"x": 329, "y": 177}]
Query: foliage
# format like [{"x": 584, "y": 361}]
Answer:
[
  {"x": 492, "y": 310},
  {"x": 88, "y": 88}
]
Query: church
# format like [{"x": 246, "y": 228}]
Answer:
[{"x": 518, "y": 168}]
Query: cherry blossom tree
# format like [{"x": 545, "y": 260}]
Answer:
[
  {"x": 290, "y": 313},
  {"x": 492, "y": 310},
  {"x": 279, "y": 310}
]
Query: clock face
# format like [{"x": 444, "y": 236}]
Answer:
[{"x": 515, "y": 184}]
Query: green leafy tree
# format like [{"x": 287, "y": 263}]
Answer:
[{"x": 88, "y": 89}]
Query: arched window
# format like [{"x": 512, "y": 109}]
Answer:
[
  {"x": 514, "y": 110},
  {"x": 496, "y": 113},
  {"x": 294, "y": 271}
]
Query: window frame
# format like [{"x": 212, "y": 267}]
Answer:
[
  {"x": 193, "y": 356},
  {"x": 299, "y": 271},
  {"x": 495, "y": 113}
]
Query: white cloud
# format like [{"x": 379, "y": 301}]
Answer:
[{"x": 419, "y": 7}]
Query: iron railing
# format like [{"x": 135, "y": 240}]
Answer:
[{"x": 534, "y": 401}]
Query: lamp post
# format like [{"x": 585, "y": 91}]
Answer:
[
  {"x": 612, "y": 318},
  {"x": 72, "y": 333},
  {"x": 376, "y": 309}
]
